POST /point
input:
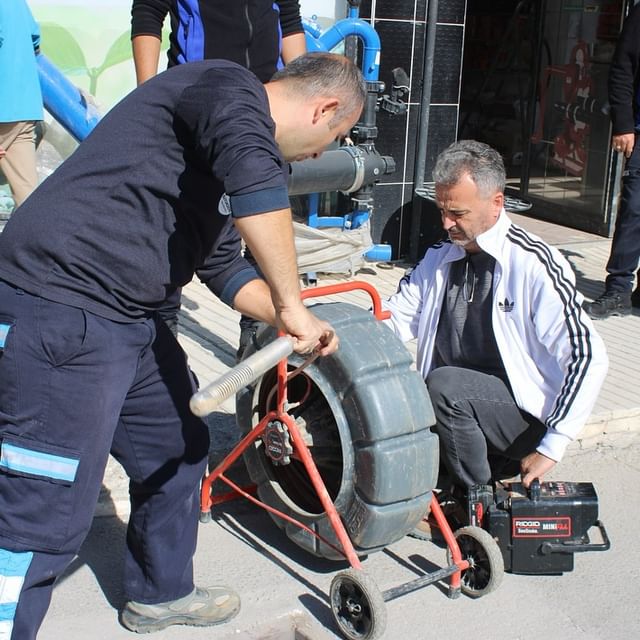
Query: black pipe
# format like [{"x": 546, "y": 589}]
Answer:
[
  {"x": 423, "y": 128},
  {"x": 346, "y": 169}
]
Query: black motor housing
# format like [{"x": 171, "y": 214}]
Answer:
[{"x": 539, "y": 530}]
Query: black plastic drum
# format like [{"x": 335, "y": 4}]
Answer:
[{"x": 366, "y": 416}]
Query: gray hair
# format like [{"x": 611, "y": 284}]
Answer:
[
  {"x": 483, "y": 164},
  {"x": 328, "y": 75}
]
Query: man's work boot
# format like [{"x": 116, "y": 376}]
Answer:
[
  {"x": 248, "y": 331},
  {"x": 453, "y": 510},
  {"x": 201, "y": 608},
  {"x": 610, "y": 303}
]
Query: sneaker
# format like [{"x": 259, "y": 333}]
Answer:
[
  {"x": 201, "y": 608},
  {"x": 610, "y": 303}
]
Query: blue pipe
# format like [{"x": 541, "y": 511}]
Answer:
[
  {"x": 342, "y": 29},
  {"x": 326, "y": 41},
  {"x": 64, "y": 101}
]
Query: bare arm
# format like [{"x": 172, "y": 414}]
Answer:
[
  {"x": 270, "y": 238},
  {"x": 254, "y": 299},
  {"x": 146, "y": 55},
  {"x": 293, "y": 46}
]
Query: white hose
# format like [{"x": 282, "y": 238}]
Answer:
[{"x": 208, "y": 399}]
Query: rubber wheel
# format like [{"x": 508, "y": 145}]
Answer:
[
  {"x": 366, "y": 415},
  {"x": 486, "y": 569},
  {"x": 357, "y": 605}
]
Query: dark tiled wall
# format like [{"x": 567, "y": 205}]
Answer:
[{"x": 401, "y": 25}]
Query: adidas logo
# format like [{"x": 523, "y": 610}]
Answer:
[{"x": 506, "y": 306}]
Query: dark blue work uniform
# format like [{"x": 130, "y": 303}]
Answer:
[
  {"x": 624, "y": 99},
  {"x": 86, "y": 367}
]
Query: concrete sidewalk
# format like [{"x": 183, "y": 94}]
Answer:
[{"x": 284, "y": 590}]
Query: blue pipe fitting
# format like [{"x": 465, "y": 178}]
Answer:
[
  {"x": 64, "y": 101},
  {"x": 342, "y": 29}
]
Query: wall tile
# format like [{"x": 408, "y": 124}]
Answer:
[
  {"x": 443, "y": 121},
  {"x": 415, "y": 71},
  {"x": 448, "y": 60},
  {"x": 396, "y": 43},
  {"x": 413, "y": 124},
  {"x": 392, "y": 132},
  {"x": 430, "y": 225},
  {"x": 400, "y": 9},
  {"x": 385, "y": 220},
  {"x": 401, "y": 27},
  {"x": 365, "y": 9},
  {"x": 451, "y": 11}
]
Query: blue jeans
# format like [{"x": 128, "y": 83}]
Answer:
[{"x": 625, "y": 247}]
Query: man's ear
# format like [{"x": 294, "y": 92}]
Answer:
[
  {"x": 498, "y": 200},
  {"x": 326, "y": 108}
]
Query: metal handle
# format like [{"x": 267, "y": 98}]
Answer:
[
  {"x": 208, "y": 399},
  {"x": 571, "y": 547}
]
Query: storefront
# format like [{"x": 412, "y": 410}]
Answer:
[
  {"x": 534, "y": 86},
  {"x": 528, "y": 77}
]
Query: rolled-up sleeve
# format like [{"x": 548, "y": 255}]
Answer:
[
  {"x": 290, "y": 20},
  {"x": 147, "y": 17},
  {"x": 226, "y": 114}
]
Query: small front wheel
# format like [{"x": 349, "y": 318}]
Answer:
[
  {"x": 486, "y": 566},
  {"x": 357, "y": 605}
]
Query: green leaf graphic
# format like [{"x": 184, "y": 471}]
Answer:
[
  {"x": 62, "y": 49},
  {"x": 120, "y": 51}
]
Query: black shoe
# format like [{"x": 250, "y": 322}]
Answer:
[
  {"x": 247, "y": 337},
  {"x": 610, "y": 303},
  {"x": 635, "y": 298}
]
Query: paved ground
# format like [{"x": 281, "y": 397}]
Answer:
[{"x": 284, "y": 590}]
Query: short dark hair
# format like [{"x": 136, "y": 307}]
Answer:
[
  {"x": 483, "y": 164},
  {"x": 326, "y": 74}
]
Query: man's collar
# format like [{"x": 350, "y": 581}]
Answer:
[{"x": 491, "y": 240}]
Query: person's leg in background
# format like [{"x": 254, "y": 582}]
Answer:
[
  {"x": 248, "y": 325},
  {"x": 625, "y": 249},
  {"x": 19, "y": 160}
]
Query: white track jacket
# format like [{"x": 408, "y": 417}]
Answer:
[{"x": 554, "y": 359}]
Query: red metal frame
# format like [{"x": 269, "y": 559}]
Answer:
[
  {"x": 452, "y": 543},
  {"x": 301, "y": 451}
]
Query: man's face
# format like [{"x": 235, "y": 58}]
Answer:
[
  {"x": 465, "y": 213},
  {"x": 310, "y": 139}
]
